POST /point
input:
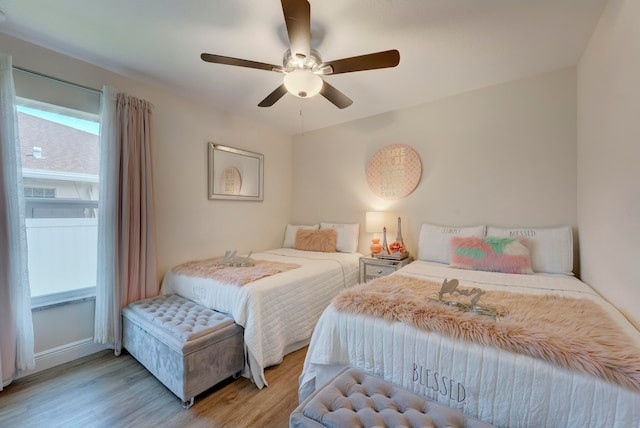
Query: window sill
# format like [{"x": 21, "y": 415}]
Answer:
[{"x": 61, "y": 299}]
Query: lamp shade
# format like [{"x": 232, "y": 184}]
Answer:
[
  {"x": 374, "y": 221},
  {"x": 302, "y": 83}
]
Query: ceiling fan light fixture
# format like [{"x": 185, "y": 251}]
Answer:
[
  {"x": 301, "y": 64},
  {"x": 303, "y": 83}
]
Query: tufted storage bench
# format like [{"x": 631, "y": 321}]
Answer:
[
  {"x": 355, "y": 398},
  {"x": 187, "y": 347}
]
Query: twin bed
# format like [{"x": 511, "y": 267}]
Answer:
[
  {"x": 279, "y": 310},
  {"x": 571, "y": 359}
]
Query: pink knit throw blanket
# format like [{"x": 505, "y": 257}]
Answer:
[
  {"x": 232, "y": 275},
  {"x": 576, "y": 334}
]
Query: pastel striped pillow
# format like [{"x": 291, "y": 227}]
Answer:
[{"x": 494, "y": 254}]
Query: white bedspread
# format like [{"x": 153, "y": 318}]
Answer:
[
  {"x": 278, "y": 312},
  {"x": 490, "y": 384}
]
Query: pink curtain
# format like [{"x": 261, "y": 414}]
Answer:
[
  {"x": 126, "y": 224},
  {"x": 137, "y": 245}
]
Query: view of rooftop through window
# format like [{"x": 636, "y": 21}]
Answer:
[
  {"x": 59, "y": 155},
  {"x": 73, "y": 122}
]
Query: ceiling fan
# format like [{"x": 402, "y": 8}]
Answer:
[{"x": 302, "y": 66}]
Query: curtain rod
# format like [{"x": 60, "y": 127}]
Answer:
[{"x": 57, "y": 80}]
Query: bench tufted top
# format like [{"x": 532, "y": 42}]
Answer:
[
  {"x": 355, "y": 398},
  {"x": 185, "y": 319}
]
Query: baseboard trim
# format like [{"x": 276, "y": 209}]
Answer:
[{"x": 64, "y": 354}]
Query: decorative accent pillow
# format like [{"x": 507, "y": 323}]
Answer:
[
  {"x": 551, "y": 248},
  {"x": 347, "y": 235},
  {"x": 290, "y": 234},
  {"x": 433, "y": 243},
  {"x": 494, "y": 254},
  {"x": 323, "y": 240}
]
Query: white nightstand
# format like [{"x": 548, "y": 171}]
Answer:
[{"x": 372, "y": 268}]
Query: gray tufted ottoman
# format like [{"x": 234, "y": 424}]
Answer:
[
  {"x": 187, "y": 347},
  {"x": 355, "y": 398}
]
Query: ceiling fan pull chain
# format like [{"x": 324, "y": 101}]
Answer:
[{"x": 301, "y": 119}]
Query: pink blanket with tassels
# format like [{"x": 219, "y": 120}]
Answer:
[
  {"x": 572, "y": 333},
  {"x": 211, "y": 268}
]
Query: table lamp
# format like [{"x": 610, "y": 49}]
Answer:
[{"x": 374, "y": 223}]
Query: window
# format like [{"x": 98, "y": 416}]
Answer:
[{"x": 59, "y": 152}]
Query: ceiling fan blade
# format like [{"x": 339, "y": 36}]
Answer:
[
  {"x": 339, "y": 99},
  {"x": 273, "y": 97},
  {"x": 219, "y": 59},
  {"x": 371, "y": 61},
  {"x": 297, "y": 16}
]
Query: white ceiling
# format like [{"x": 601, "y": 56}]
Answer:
[{"x": 446, "y": 47}]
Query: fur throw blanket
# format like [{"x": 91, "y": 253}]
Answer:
[
  {"x": 572, "y": 333},
  {"x": 211, "y": 268}
]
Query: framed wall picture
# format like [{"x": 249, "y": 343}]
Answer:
[{"x": 235, "y": 174}]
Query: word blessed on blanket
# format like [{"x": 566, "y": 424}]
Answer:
[
  {"x": 439, "y": 383},
  {"x": 451, "y": 287}
]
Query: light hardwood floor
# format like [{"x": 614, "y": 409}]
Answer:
[{"x": 102, "y": 390}]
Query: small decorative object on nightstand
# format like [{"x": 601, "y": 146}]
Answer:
[
  {"x": 373, "y": 267},
  {"x": 395, "y": 250},
  {"x": 385, "y": 247}
]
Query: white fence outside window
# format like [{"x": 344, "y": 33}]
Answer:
[{"x": 62, "y": 254}]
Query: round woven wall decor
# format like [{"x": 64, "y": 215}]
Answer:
[{"x": 394, "y": 171}]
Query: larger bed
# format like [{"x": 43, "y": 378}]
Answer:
[
  {"x": 498, "y": 386},
  {"x": 278, "y": 312}
]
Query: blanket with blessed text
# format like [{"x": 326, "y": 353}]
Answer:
[
  {"x": 211, "y": 268},
  {"x": 576, "y": 334}
]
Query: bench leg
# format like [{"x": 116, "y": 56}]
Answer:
[{"x": 187, "y": 404}]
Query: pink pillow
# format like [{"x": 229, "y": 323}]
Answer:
[
  {"x": 323, "y": 240},
  {"x": 494, "y": 254}
]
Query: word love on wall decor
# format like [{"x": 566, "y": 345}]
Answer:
[{"x": 394, "y": 171}]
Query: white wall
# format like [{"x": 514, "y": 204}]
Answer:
[
  {"x": 189, "y": 226},
  {"x": 609, "y": 157},
  {"x": 503, "y": 155}
]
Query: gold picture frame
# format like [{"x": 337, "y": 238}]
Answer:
[{"x": 235, "y": 174}]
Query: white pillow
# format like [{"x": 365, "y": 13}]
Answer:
[
  {"x": 433, "y": 243},
  {"x": 347, "y": 236},
  {"x": 290, "y": 234},
  {"x": 551, "y": 248}
]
